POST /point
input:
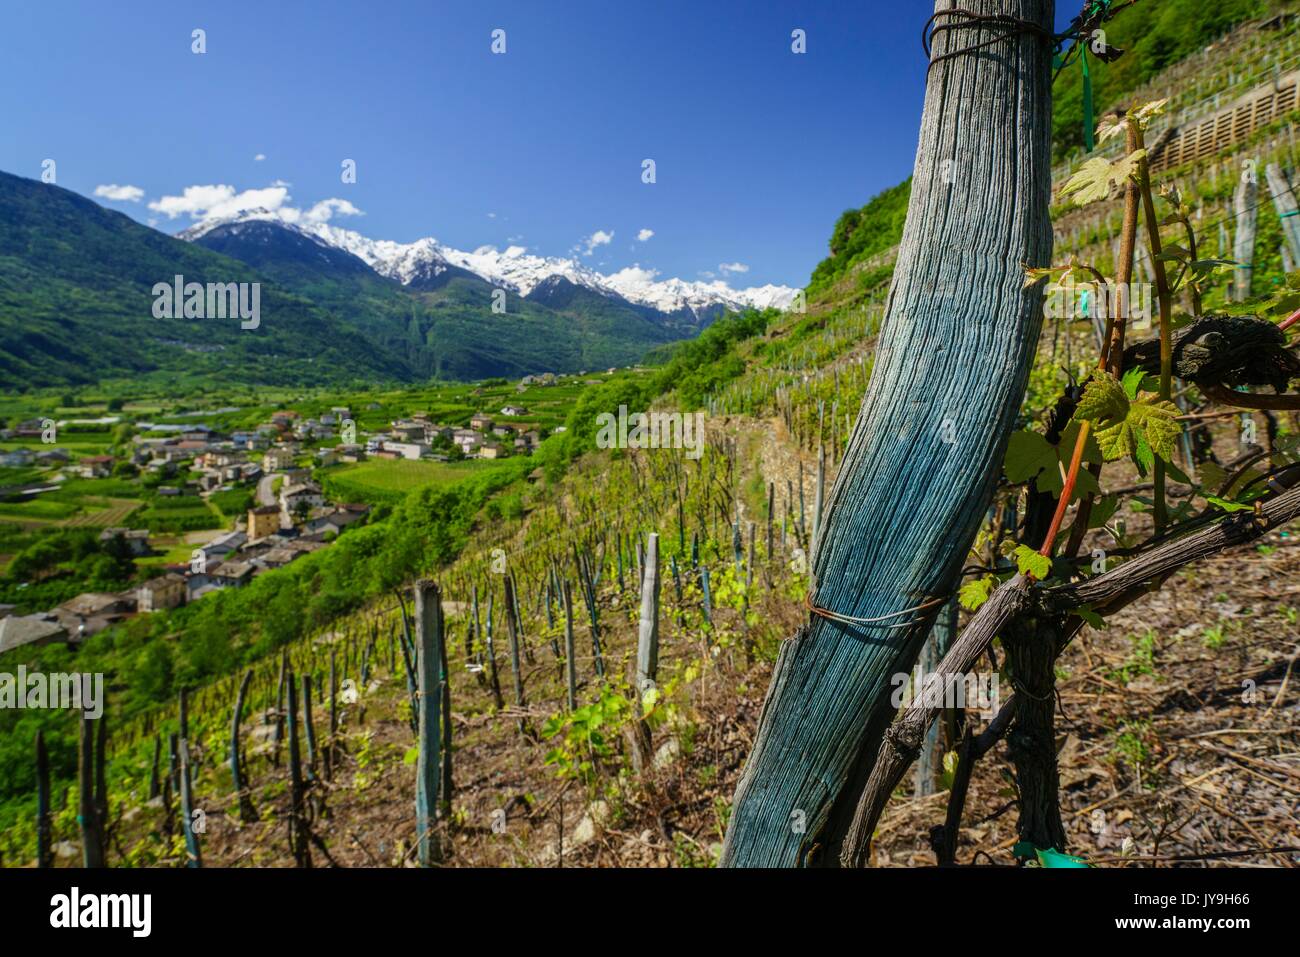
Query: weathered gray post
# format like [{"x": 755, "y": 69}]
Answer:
[
  {"x": 444, "y": 744},
  {"x": 331, "y": 744},
  {"x": 277, "y": 735},
  {"x": 515, "y": 668},
  {"x": 408, "y": 649},
  {"x": 513, "y": 593},
  {"x": 1288, "y": 210},
  {"x": 477, "y": 625},
  {"x": 309, "y": 727},
  {"x": 803, "y": 526},
  {"x": 677, "y": 586},
  {"x": 820, "y": 493},
  {"x": 493, "y": 678},
  {"x": 192, "y": 856},
  {"x": 771, "y": 502},
  {"x": 647, "y": 648},
  {"x": 593, "y": 612},
  {"x": 955, "y": 350},
  {"x": 428, "y": 623},
  {"x": 246, "y": 810},
  {"x": 92, "y": 826},
  {"x": 171, "y": 790},
  {"x": 930, "y": 764},
  {"x": 298, "y": 835},
  {"x": 647, "y": 654},
  {"x": 1246, "y": 206},
  {"x": 571, "y": 664},
  {"x": 101, "y": 779}
]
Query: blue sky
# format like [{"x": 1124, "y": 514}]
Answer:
[{"x": 757, "y": 149}]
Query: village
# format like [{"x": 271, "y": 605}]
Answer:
[{"x": 277, "y": 465}]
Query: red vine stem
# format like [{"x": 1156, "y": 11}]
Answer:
[{"x": 1112, "y": 353}]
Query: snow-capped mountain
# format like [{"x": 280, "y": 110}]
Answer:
[{"x": 425, "y": 260}]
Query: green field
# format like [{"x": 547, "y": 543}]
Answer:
[
  {"x": 388, "y": 480},
  {"x": 183, "y": 513}
]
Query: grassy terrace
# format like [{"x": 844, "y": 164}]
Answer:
[{"x": 377, "y": 481}]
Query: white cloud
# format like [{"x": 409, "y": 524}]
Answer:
[
  {"x": 322, "y": 212},
  {"x": 492, "y": 215},
  {"x": 728, "y": 268},
  {"x": 209, "y": 202},
  {"x": 634, "y": 274},
  {"x": 259, "y": 157},
  {"x": 644, "y": 235},
  {"x": 120, "y": 194},
  {"x": 203, "y": 203},
  {"x": 600, "y": 237}
]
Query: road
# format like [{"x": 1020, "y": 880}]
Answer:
[{"x": 264, "y": 494}]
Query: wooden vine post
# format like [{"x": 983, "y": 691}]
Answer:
[
  {"x": 334, "y": 708},
  {"x": 920, "y": 469},
  {"x": 1288, "y": 210},
  {"x": 647, "y": 652},
  {"x": 570, "y": 664},
  {"x": 309, "y": 727},
  {"x": 299, "y": 835},
  {"x": 516, "y": 668},
  {"x": 93, "y": 843},
  {"x": 246, "y": 811},
  {"x": 1245, "y": 203},
  {"x": 929, "y": 764},
  {"x": 490, "y": 650},
  {"x": 444, "y": 745},
  {"x": 192, "y": 856},
  {"x": 428, "y": 769}
]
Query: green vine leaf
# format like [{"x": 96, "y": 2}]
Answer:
[
  {"x": 976, "y": 592},
  {"x": 1103, "y": 401},
  {"x": 1094, "y": 179},
  {"x": 1141, "y": 428},
  {"x": 1032, "y": 564},
  {"x": 1091, "y": 617},
  {"x": 1227, "y": 505},
  {"x": 1155, "y": 421},
  {"x": 1028, "y": 454},
  {"x": 1102, "y": 510},
  {"x": 1031, "y": 457}
]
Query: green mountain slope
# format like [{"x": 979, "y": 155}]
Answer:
[{"x": 76, "y": 307}]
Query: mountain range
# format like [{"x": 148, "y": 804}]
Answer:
[
  {"x": 424, "y": 263},
  {"x": 76, "y": 303}
]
